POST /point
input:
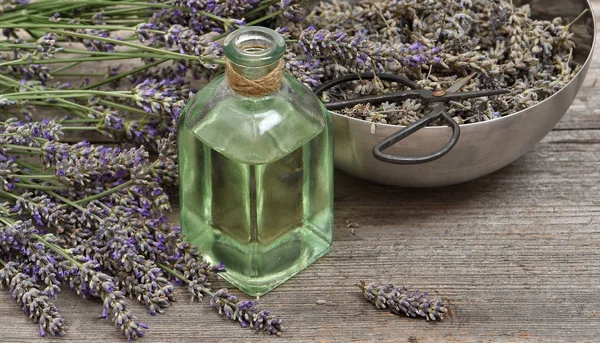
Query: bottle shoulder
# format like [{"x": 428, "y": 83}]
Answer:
[{"x": 255, "y": 130}]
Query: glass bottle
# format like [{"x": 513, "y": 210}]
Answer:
[{"x": 256, "y": 172}]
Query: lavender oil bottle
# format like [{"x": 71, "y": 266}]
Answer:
[{"x": 256, "y": 167}]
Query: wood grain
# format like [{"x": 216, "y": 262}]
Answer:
[{"x": 516, "y": 254}]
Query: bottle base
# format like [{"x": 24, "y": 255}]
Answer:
[
  {"x": 276, "y": 263},
  {"x": 261, "y": 286}
]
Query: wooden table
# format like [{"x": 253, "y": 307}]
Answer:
[{"x": 516, "y": 254}]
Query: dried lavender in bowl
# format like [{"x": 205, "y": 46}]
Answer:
[{"x": 434, "y": 43}]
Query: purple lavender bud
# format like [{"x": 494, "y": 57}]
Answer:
[
  {"x": 219, "y": 268},
  {"x": 19, "y": 133},
  {"x": 35, "y": 303},
  {"x": 400, "y": 301}
]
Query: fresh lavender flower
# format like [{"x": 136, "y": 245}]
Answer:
[
  {"x": 90, "y": 165},
  {"x": 224, "y": 9},
  {"x": 165, "y": 96},
  {"x": 55, "y": 18},
  {"x": 9, "y": 5},
  {"x": 117, "y": 253},
  {"x": 165, "y": 169},
  {"x": 14, "y": 240},
  {"x": 31, "y": 71},
  {"x": 145, "y": 131},
  {"x": 309, "y": 72},
  {"x": 35, "y": 303},
  {"x": 42, "y": 208},
  {"x": 17, "y": 244},
  {"x": 88, "y": 280},
  {"x": 18, "y": 132},
  {"x": 293, "y": 10},
  {"x": 8, "y": 168},
  {"x": 94, "y": 44},
  {"x": 83, "y": 277},
  {"x": 137, "y": 277},
  {"x": 53, "y": 151},
  {"x": 46, "y": 47},
  {"x": 401, "y": 301},
  {"x": 185, "y": 40},
  {"x": 184, "y": 258}
]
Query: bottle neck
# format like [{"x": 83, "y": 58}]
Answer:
[
  {"x": 252, "y": 72},
  {"x": 254, "y": 81},
  {"x": 254, "y": 60}
]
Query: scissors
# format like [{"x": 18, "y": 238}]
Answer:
[{"x": 435, "y": 100}]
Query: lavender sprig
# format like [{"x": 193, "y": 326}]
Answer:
[
  {"x": 246, "y": 313},
  {"x": 17, "y": 245},
  {"x": 85, "y": 278},
  {"x": 22, "y": 240},
  {"x": 18, "y": 132},
  {"x": 401, "y": 301},
  {"x": 35, "y": 303}
]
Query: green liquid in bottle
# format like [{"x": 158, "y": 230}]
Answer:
[
  {"x": 264, "y": 221},
  {"x": 256, "y": 181}
]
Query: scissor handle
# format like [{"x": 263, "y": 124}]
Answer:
[{"x": 378, "y": 150}]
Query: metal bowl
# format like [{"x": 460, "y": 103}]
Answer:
[{"x": 483, "y": 147}]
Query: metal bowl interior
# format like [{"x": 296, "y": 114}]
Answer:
[{"x": 483, "y": 147}]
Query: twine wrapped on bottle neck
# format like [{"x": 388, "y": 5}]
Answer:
[{"x": 258, "y": 87}]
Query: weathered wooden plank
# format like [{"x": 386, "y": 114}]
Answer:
[{"x": 515, "y": 253}]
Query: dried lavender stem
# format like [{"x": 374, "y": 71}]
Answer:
[
  {"x": 33, "y": 176},
  {"x": 144, "y": 47},
  {"x": 125, "y": 74},
  {"x": 204, "y": 290},
  {"x": 65, "y": 94},
  {"x": 400, "y": 301},
  {"x": 244, "y": 312},
  {"x": 9, "y": 195},
  {"x": 267, "y": 4},
  {"x": 68, "y": 66},
  {"x": 568, "y": 26},
  {"x": 40, "y": 187},
  {"x": 79, "y": 121},
  {"x": 18, "y": 84},
  {"x": 127, "y": 108},
  {"x": 269, "y": 16}
]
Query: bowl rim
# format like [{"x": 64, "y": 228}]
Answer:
[{"x": 498, "y": 120}]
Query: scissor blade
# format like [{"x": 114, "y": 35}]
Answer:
[
  {"x": 460, "y": 84},
  {"x": 475, "y": 94}
]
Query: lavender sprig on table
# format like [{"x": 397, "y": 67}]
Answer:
[
  {"x": 246, "y": 313},
  {"x": 401, "y": 301},
  {"x": 35, "y": 302}
]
